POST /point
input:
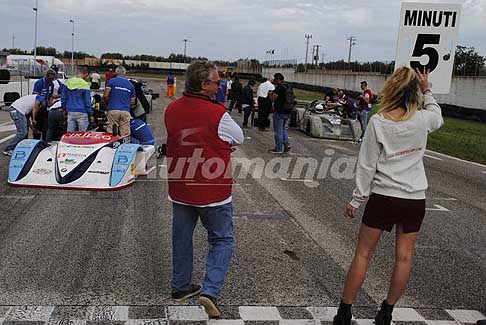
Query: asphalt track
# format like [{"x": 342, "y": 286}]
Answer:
[{"x": 293, "y": 245}]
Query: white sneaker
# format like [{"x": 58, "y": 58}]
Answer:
[{"x": 8, "y": 153}]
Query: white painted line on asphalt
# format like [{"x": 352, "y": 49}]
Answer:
[
  {"x": 226, "y": 321},
  {"x": 252, "y": 313},
  {"x": 187, "y": 313},
  {"x": 7, "y": 128},
  {"x": 365, "y": 321},
  {"x": 440, "y": 322},
  {"x": 107, "y": 313},
  {"x": 484, "y": 171},
  {"x": 443, "y": 199},
  {"x": 7, "y": 138},
  {"x": 18, "y": 197},
  {"x": 325, "y": 314},
  {"x": 30, "y": 313},
  {"x": 465, "y": 316},
  {"x": 429, "y": 156},
  {"x": 457, "y": 159},
  {"x": 298, "y": 322},
  {"x": 7, "y": 123},
  {"x": 407, "y": 315},
  {"x": 438, "y": 208},
  {"x": 298, "y": 180}
]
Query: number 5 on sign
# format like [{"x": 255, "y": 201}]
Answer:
[{"x": 427, "y": 39}]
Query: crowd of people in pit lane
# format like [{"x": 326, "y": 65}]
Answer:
[
  {"x": 54, "y": 108},
  {"x": 274, "y": 95}
]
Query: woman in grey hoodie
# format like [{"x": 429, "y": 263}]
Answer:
[{"x": 391, "y": 173}]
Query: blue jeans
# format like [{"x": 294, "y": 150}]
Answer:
[
  {"x": 363, "y": 115},
  {"x": 280, "y": 130},
  {"x": 77, "y": 121},
  {"x": 218, "y": 222},
  {"x": 22, "y": 128}
]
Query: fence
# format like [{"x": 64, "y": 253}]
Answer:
[{"x": 467, "y": 92}]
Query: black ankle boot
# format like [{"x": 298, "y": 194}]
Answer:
[
  {"x": 384, "y": 315},
  {"x": 344, "y": 315}
]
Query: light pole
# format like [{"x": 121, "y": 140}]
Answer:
[
  {"x": 308, "y": 37},
  {"x": 352, "y": 41},
  {"x": 185, "y": 48},
  {"x": 13, "y": 41},
  {"x": 72, "y": 47},
  {"x": 35, "y": 38}
]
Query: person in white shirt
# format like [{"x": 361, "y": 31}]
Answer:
[
  {"x": 264, "y": 103},
  {"x": 95, "y": 80},
  {"x": 391, "y": 173},
  {"x": 19, "y": 110}
]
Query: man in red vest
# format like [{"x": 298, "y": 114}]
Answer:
[{"x": 200, "y": 134}]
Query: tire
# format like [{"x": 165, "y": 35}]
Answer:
[
  {"x": 308, "y": 128},
  {"x": 10, "y": 97}
]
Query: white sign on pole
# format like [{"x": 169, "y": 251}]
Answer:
[{"x": 427, "y": 39}]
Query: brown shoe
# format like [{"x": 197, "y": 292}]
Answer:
[{"x": 210, "y": 306}]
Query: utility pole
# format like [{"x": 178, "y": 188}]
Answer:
[
  {"x": 13, "y": 41},
  {"x": 35, "y": 38},
  {"x": 352, "y": 41},
  {"x": 308, "y": 37},
  {"x": 72, "y": 48},
  {"x": 313, "y": 54},
  {"x": 316, "y": 55},
  {"x": 185, "y": 48}
]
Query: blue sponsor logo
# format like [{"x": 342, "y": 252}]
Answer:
[
  {"x": 19, "y": 155},
  {"x": 122, "y": 160}
]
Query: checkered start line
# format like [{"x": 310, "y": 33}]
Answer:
[{"x": 162, "y": 315}]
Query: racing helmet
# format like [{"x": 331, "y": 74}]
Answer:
[{"x": 319, "y": 108}]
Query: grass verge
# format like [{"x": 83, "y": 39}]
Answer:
[{"x": 458, "y": 138}]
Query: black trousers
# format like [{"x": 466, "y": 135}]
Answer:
[
  {"x": 41, "y": 126},
  {"x": 247, "y": 112},
  {"x": 264, "y": 108}
]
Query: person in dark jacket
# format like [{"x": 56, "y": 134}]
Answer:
[
  {"x": 247, "y": 101},
  {"x": 235, "y": 94}
]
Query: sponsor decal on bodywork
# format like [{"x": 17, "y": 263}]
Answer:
[{"x": 42, "y": 171}]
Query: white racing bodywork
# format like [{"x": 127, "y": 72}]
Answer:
[
  {"x": 327, "y": 124},
  {"x": 81, "y": 160}
]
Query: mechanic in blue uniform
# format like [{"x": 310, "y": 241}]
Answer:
[
  {"x": 119, "y": 95},
  {"x": 45, "y": 88},
  {"x": 141, "y": 132}
]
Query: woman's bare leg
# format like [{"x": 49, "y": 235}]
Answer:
[
  {"x": 405, "y": 246},
  {"x": 367, "y": 241}
]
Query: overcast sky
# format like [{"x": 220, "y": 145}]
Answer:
[{"x": 222, "y": 29}]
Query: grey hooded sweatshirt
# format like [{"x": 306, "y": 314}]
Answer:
[{"x": 390, "y": 160}]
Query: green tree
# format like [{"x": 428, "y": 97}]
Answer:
[
  {"x": 117, "y": 56},
  {"x": 468, "y": 62}
]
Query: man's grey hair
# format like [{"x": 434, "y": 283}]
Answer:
[
  {"x": 197, "y": 73},
  {"x": 120, "y": 70}
]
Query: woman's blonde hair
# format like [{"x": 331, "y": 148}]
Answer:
[{"x": 401, "y": 90}]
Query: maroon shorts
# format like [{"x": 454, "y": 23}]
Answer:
[{"x": 382, "y": 212}]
